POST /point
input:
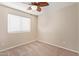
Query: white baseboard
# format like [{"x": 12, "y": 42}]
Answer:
[
  {"x": 17, "y": 46},
  {"x": 39, "y": 41},
  {"x": 60, "y": 47}
]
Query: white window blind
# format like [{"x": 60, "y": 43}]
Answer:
[{"x": 18, "y": 24}]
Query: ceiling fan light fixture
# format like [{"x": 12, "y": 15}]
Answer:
[
  {"x": 38, "y": 6},
  {"x": 34, "y": 7},
  {"x": 39, "y": 9}
]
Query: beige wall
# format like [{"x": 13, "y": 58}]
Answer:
[
  {"x": 78, "y": 29},
  {"x": 59, "y": 27},
  {"x": 8, "y": 40}
]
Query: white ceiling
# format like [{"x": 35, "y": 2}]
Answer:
[
  {"x": 24, "y": 6},
  {"x": 20, "y": 6}
]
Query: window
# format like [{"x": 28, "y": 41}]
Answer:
[{"x": 18, "y": 24}]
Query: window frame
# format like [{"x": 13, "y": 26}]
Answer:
[{"x": 20, "y": 31}]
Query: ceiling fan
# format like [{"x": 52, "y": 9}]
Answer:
[{"x": 38, "y": 5}]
